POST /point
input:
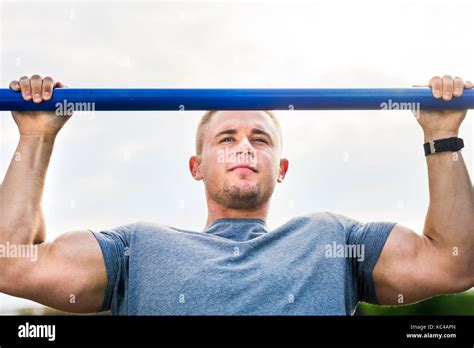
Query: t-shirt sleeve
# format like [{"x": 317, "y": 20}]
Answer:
[
  {"x": 368, "y": 238},
  {"x": 371, "y": 236},
  {"x": 115, "y": 244}
]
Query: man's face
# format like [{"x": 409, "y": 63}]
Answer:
[{"x": 240, "y": 161}]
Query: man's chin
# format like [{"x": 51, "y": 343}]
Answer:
[
  {"x": 244, "y": 198},
  {"x": 240, "y": 194},
  {"x": 244, "y": 185}
]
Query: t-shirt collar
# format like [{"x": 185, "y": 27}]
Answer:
[{"x": 239, "y": 229}]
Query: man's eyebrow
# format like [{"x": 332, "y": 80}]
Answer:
[
  {"x": 227, "y": 131},
  {"x": 254, "y": 131},
  {"x": 261, "y": 131}
]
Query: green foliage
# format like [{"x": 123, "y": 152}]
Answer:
[{"x": 459, "y": 304}]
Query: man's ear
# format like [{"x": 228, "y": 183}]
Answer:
[
  {"x": 194, "y": 167},
  {"x": 284, "y": 163}
]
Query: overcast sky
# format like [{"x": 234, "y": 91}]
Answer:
[{"x": 122, "y": 167}]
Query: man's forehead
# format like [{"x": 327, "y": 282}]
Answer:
[{"x": 236, "y": 119}]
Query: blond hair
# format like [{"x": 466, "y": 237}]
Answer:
[{"x": 206, "y": 118}]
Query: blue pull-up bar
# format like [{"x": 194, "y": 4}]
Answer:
[{"x": 239, "y": 99}]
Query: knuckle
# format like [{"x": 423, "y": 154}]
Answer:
[{"x": 36, "y": 77}]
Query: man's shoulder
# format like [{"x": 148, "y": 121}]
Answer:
[
  {"x": 130, "y": 229},
  {"x": 325, "y": 217},
  {"x": 147, "y": 228},
  {"x": 321, "y": 222}
]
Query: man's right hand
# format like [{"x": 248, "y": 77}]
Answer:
[
  {"x": 42, "y": 123},
  {"x": 69, "y": 272}
]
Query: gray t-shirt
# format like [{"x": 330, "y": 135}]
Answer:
[{"x": 315, "y": 264}]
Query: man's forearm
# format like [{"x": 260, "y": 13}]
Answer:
[
  {"x": 450, "y": 218},
  {"x": 21, "y": 219}
]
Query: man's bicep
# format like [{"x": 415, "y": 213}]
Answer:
[
  {"x": 69, "y": 274},
  {"x": 408, "y": 269}
]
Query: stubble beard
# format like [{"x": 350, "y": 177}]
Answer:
[{"x": 247, "y": 197}]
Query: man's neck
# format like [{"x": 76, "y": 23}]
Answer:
[{"x": 219, "y": 212}]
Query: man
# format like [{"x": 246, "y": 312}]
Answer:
[{"x": 318, "y": 264}]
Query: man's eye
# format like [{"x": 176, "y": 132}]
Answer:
[
  {"x": 262, "y": 140},
  {"x": 225, "y": 140}
]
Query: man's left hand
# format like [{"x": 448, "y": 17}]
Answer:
[{"x": 438, "y": 124}]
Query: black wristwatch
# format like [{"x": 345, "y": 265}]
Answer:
[{"x": 440, "y": 145}]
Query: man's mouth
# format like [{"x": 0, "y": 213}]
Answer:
[{"x": 243, "y": 168}]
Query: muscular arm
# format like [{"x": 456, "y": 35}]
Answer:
[
  {"x": 413, "y": 267},
  {"x": 68, "y": 273}
]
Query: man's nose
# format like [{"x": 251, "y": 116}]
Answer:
[{"x": 244, "y": 146}]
